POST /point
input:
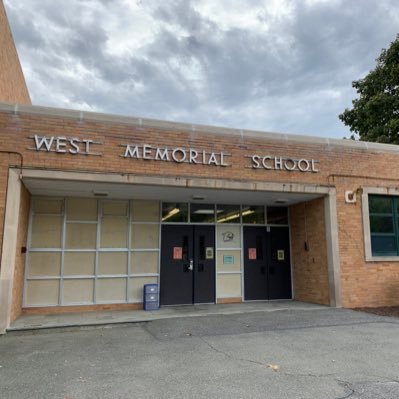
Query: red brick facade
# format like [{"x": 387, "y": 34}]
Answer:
[
  {"x": 342, "y": 165},
  {"x": 12, "y": 82},
  {"x": 309, "y": 266}
]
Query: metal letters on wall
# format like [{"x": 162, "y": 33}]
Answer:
[{"x": 77, "y": 146}]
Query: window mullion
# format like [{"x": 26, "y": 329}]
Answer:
[{"x": 395, "y": 223}]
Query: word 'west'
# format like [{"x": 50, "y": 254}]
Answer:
[
  {"x": 179, "y": 155},
  {"x": 280, "y": 163},
  {"x": 63, "y": 145}
]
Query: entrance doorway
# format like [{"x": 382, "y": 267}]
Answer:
[
  {"x": 187, "y": 264},
  {"x": 267, "y": 270}
]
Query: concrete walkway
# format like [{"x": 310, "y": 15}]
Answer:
[{"x": 33, "y": 322}]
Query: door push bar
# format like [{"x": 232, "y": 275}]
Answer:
[{"x": 190, "y": 267}]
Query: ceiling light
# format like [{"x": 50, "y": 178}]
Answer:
[
  {"x": 230, "y": 217},
  {"x": 280, "y": 201},
  {"x": 248, "y": 212},
  {"x": 235, "y": 215},
  {"x": 100, "y": 193},
  {"x": 198, "y": 197},
  {"x": 170, "y": 214}
]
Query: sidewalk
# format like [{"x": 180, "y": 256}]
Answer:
[{"x": 33, "y": 322}]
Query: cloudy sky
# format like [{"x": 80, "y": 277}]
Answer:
[{"x": 273, "y": 65}]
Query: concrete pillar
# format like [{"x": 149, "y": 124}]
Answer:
[
  {"x": 8, "y": 257},
  {"x": 334, "y": 274}
]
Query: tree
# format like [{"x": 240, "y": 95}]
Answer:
[{"x": 375, "y": 114}]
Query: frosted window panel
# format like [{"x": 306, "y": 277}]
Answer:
[
  {"x": 136, "y": 287},
  {"x": 111, "y": 290},
  {"x": 46, "y": 231},
  {"x": 42, "y": 292},
  {"x": 112, "y": 263},
  {"x": 228, "y": 261},
  {"x": 80, "y": 236},
  {"x": 144, "y": 262},
  {"x": 79, "y": 263},
  {"x": 229, "y": 285},
  {"x": 115, "y": 208},
  {"x": 77, "y": 291},
  {"x": 49, "y": 206},
  {"x": 145, "y": 211},
  {"x": 114, "y": 233},
  {"x": 44, "y": 264},
  {"x": 81, "y": 209},
  {"x": 228, "y": 236},
  {"x": 145, "y": 236}
]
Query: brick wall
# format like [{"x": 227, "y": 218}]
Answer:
[
  {"x": 12, "y": 82},
  {"x": 363, "y": 283},
  {"x": 344, "y": 167},
  {"x": 309, "y": 267}
]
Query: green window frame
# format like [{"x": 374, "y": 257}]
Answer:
[{"x": 384, "y": 225}]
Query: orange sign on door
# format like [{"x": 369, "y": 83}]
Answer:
[
  {"x": 252, "y": 253},
  {"x": 177, "y": 253}
]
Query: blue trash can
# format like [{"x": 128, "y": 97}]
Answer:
[{"x": 151, "y": 297}]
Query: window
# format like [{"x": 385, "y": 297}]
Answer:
[
  {"x": 277, "y": 215},
  {"x": 253, "y": 214},
  {"x": 85, "y": 251},
  {"x": 384, "y": 226},
  {"x": 202, "y": 213},
  {"x": 173, "y": 212},
  {"x": 228, "y": 213}
]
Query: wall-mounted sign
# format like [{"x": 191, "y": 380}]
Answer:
[
  {"x": 209, "y": 253},
  {"x": 178, "y": 155},
  {"x": 228, "y": 259},
  {"x": 228, "y": 236},
  {"x": 177, "y": 253},
  {"x": 280, "y": 254},
  {"x": 269, "y": 162},
  {"x": 64, "y": 145},
  {"x": 75, "y": 146},
  {"x": 252, "y": 253}
]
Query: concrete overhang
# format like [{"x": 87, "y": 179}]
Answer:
[{"x": 170, "y": 189}]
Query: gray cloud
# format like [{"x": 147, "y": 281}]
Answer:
[{"x": 171, "y": 60}]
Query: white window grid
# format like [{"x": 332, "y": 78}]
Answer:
[{"x": 129, "y": 276}]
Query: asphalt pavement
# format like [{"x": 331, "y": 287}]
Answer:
[{"x": 323, "y": 353}]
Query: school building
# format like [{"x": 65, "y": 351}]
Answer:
[{"x": 93, "y": 206}]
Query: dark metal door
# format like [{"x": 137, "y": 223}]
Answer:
[
  {"x": 176, "y": 274},
  {"x": 267, "y": 266},
  {"x": 187, "y": 264},
  {"x": 204, "y": 264},
  {"x": 279, "y": 263},
  {"x": 255, "y": 263}
]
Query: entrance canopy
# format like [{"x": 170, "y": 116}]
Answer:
[{"x": 228, "y": 193}]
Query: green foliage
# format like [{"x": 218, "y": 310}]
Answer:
[{"x": 375, "y": 114}]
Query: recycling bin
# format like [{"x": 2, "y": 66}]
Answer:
[{"x": 151, "y": 297}]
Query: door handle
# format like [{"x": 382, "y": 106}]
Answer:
[{"x": 191, "y": 265}]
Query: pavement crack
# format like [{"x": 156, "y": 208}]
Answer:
[
  {"x": 352, "y": 391},
  {"x": 215, "y": 349},
  {"x": 263, "y": 364},
  {"x": 347, "y": 386},
  {"x": 228, "y": 355}
]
